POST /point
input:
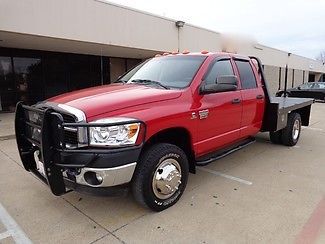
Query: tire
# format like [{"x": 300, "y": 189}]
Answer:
[
  {"x": 276, "y": 137},
  {"x": 291, "y": 133},
  {"x": 149, "y": 184}
]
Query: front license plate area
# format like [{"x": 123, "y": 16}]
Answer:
[{"x": 39, "y": 164}]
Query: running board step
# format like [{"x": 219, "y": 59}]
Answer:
[{"x": 224, "y": 152}]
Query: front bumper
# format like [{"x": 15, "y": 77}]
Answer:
[
  {"x": 108, "y": 176},
  {"x": 87, "y": 169}
]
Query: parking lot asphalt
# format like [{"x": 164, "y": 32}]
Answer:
[{"x": 264, "y": 193}]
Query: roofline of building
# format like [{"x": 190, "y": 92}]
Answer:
[{"x": 153, "y": 15}]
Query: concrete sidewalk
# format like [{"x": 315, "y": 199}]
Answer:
[{"x": 7, "y": 125}]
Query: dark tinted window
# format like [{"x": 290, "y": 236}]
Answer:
[
  {"x": 7, "y": 85},
  {"x": 246, "y": 74},
  {"x": 222, "y": 67},
  {"x": 28, "y": 78}
]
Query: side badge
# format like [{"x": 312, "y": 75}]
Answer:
[
  {"x": 204, "y": 113},
  {"x": 193, "y": 115}
]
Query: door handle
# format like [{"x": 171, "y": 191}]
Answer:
[
  {"x": 259, "y": 96},
  {"x": 235, "y": 101}
]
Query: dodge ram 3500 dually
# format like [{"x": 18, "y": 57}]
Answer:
[{"x": 154, "y": 125}]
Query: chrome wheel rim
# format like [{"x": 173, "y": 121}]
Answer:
[
  {"x": 296, "y": 130},
  {"x": 167, "y": 178}
]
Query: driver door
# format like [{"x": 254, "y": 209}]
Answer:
[{"x": 219, "y": 113}]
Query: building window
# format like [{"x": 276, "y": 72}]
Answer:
[
  {"x": 7, "y": 85},
  {"x": 28, "y": 78},
  {"x": 34, "y": 75},
  {"x": 84, "y": 71}
]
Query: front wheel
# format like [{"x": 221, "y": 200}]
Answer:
[
  {"x": 291, "y": 134},
  {"x": 160, "y": 177}
]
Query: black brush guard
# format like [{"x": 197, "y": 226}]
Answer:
[{"x": 52, "y": 145}]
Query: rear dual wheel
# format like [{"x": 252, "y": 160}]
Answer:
[{"x": 288, "y": 136}]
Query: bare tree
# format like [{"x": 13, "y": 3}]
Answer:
[{"x": 321, "y": 57}]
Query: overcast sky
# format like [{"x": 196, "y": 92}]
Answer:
[{"x": 297, "y": 26}]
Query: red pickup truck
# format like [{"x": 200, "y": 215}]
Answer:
[{"x": 158, "y": 122}]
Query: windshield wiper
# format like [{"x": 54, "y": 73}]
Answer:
[
  {"x": 120, "y": 81},
  {"x": 145, "y": 81}
]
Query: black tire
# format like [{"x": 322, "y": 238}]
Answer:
[
  {"x": 288, "y": 137},
  {"x": 276, "y": 137},
  {"x": 142, "y": 182}
]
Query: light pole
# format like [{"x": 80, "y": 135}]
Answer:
[{"x": 179, "y": 24}]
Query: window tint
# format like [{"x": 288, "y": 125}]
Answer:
[
  {"x": 222, "y": 67},
  {"x": 246, "y": 74}
]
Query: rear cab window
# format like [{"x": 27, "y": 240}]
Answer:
[{"x": 246, "y": 74}]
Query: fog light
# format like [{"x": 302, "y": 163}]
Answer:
[{"x": 92, "y": 178}]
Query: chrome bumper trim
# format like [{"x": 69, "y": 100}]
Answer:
[{"x": 111, "y": 176}]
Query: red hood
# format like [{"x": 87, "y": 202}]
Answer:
[{"x": 102, "y": 99}]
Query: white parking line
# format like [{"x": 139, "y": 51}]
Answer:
[
  {"x": 4, "y": 235},
  {"x": 312, "y": 128},
  {"x": 230, "y": 177},
  {"x": 12, "y": 227}
]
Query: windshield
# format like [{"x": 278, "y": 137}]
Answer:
[{"x": 174, "y": 71}]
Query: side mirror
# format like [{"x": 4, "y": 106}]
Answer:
[{"x": 223, "y": 84}]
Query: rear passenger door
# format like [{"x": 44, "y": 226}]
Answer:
[{"x": 252, "y": 96}]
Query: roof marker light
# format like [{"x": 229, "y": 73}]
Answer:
[
  {"x": 174, "y": 52},
  {"x": 186, "y": 52},
  {"x": 158, "y": 55},
  {"x": 165, "y": 54},
  {"x": 204, "y": 51}
]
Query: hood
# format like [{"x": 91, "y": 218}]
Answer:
[{"x": 102, "y": 99}]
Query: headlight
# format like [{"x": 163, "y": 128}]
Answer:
[{"x": 114, "y": 135}]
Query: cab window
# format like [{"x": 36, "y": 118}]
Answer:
[
  {"x": 219, "y": 68},
  {"x": 246, "y": 74}
]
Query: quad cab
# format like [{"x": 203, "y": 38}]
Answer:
[{"x": 152, "y": 127}]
